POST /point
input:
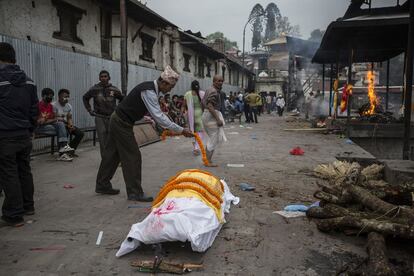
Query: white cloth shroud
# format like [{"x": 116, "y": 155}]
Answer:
[{"x": 179, "y": 219}]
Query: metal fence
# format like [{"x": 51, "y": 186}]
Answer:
[{"x": 57, "y": 68}]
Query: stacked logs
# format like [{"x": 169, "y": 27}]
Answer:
[{"x": 357, "y": 200}]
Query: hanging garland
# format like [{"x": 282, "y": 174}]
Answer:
[
  {"x": 166, "y": 133},
  {"x": 203, "y": 150}
]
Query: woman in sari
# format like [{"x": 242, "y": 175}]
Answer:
[{"x": 192, "y": 106}]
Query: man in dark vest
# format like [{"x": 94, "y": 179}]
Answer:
[{"x": 121, "y": 145}]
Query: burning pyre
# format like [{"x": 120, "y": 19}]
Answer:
[
  {"x": 372, "y": 96},
  {"x": 372, "y": 111}
]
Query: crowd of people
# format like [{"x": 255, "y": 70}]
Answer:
[
  {"x": 23, "y": 116},
  {"x": 250, "y": 103}
]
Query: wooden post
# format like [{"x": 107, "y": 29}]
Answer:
[
  {"x": 387, "y": 95},
  {"x": 291, "y": 78},
  {"x": 330, "y": 91},
  {"x": 124, "y": 51},
  {"x": 408, "y": 85},
  {"x": 323, "y": 81},
  {"x": 349, "y": 103}
]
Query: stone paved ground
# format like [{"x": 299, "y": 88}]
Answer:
[{"x": 253, "y": 242}]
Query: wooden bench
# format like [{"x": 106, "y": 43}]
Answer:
[
  {"x": 53, "y": 140},
  {"x": 87, "y": 129}
]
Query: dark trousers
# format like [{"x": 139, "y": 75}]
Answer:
[
  {"x": 253, "y": 114},
  {"x": 77, "y": 136},
  {"x": 15, "y": 176},
  {"x": 247, "y": 113},
  {"x": 280, "y": 111},
  {"x": 121, "y": 147},
  {"x": 102, "y": 128}
]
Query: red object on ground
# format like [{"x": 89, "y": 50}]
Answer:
[
  {"x": 68, "y": 186},
  {"x": 297, "y": 151}
]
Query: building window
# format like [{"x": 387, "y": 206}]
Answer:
[
  {"x": 187, "y": 63},
  {"x": 262, "y": 63},
  {"x": 147, "y": 47},
  {"x": 208, "y": 70},
  {"x": 224, "y": 72},
  {"x": 69, "y": 17},
  {"x": 230, "y": 75},
  {"x": 106, "y": 33},
  {"x": 201, "y": 64},
  {"x": 172, "y": 57}
]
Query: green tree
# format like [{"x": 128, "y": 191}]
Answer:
[
  {"x": 256, "y": 16},
  {"x": 272, "y": 16},
  {"x": 257, "y": 33},
  {"x": 219, "y": 35},
  {"x": 276, "y": 24}
]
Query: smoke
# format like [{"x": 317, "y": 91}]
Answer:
[{"x": 319, "y": 106}]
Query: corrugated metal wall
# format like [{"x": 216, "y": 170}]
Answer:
[{"x": 57, "y": 68}]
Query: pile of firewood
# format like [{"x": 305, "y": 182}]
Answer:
[
  {"x": 380, "y": 116},
  {"x": 358, "y": 201}
]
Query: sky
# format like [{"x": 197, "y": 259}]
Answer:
[{"x": 230, "y": 16}]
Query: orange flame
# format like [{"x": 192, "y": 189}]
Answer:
[{"x": 372, "y": 95}]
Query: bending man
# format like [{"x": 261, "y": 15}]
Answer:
[{"x": 122, "y": 146}]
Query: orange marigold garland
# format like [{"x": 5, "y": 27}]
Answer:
[
  {"x": 210, "y": 194},
  {"x": 195, "y": 171},
  {"x": 197, "y": 181},
  {"x": 201, "y": 191},
  {"x": 203, "y": 150},
  {"x": 166, "y": 133}
]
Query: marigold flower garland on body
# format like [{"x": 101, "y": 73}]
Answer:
[{"x": 192, "y": 183}]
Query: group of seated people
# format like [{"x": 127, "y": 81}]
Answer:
[
  {"x": 173, "y": 108},
  {"x": 55, "y": 118},
  {"x": 233, "y": 106}
]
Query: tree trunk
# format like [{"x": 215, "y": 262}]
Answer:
[
  {"x": 366, "y": 225},
  {"x": 328, "y": 198},
  {"x": 372, "y": 202},
  {"x": 378, "y": 264}
]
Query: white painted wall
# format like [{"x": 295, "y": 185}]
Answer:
[{"x": 19, "y": 19}]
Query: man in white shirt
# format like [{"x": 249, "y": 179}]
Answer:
[
  {"x": 63, "y": 113},
  {"x": 280, "y": 105}
]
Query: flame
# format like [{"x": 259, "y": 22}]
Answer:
[{"x": 372, "y": 95}]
